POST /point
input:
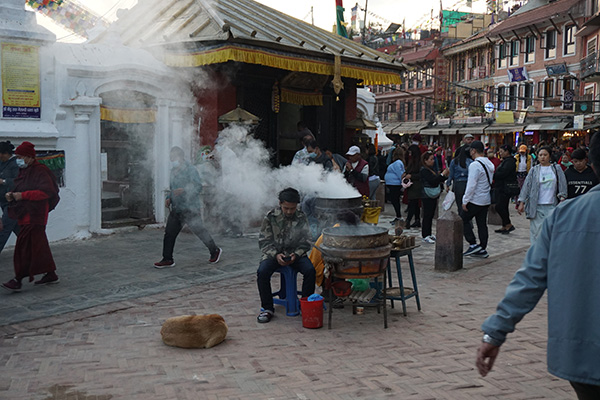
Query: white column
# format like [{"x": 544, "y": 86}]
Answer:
[{"x": 86, "y": 161}]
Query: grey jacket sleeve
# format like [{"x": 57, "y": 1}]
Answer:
[
  {"x": 562, "y": 182},
  {"x": 525, "y": 290}
]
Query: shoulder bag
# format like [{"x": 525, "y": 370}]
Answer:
[{"x": 492, "y": 190}]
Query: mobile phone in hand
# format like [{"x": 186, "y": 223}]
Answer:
[{"x": 287, "y": 258}]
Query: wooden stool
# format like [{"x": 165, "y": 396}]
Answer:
[{"x": 396, "y": 254}]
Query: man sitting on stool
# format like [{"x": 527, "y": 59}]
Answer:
[{"x": 284, "y": 240}]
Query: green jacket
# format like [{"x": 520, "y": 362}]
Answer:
[
  {"x": 185, "y": 177},
  {"x": 279, "y": 234}
]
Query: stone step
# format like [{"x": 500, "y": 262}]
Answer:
[
  {"x": 111, "y": 202},
  {"x": 122, "y": 222},
  {"x": 113, "y": 213}
]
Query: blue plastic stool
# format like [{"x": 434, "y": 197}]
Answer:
[{"x": 288, "y": 292}]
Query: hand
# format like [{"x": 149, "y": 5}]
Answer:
[
  {"x": 446, "y": 172},
  {"x": 447, "y": 189},
  {"x": 281, "y": 261},
  {"x": 17, "y": 196},
  {"x": 348, "y": 166},
  {"x": 168, "y": 203},
  {"x": 521, "y": 208},
  {"x": 407, "y": 176},
  {"x": 486, "y": 355},
  {"x": 178, "y": 192},
  {"x": 8, "y": 196},
  {"x": 464, "y": 206}
]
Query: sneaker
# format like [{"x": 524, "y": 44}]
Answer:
[
  {"x": 13, "y": 285},
  {"x": 214, "y": 258},
  {"x": 429, "y": 239},
  {"x": 265, "y": 316},
  {"x": 509, "y": 230},
  {"x": 164, "y": 264},
  {"x": 480, "y": 254},
  {"x": 433, "y": 237},
  {"x": 49, "y": 278},
  {"x": 474, "y": 248}
]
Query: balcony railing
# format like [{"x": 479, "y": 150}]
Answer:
[{"x": 589, "y": 65}]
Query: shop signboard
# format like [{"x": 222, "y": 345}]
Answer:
[
  {"x": 20, "y": 81},
  {"x": 578, "y": 122}
]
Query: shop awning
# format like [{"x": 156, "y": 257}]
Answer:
[
  {"x": 431, "y": 131},
  {"x": 503, "y": 128},
  {"x": 473, "y": 130},
  {"x": 449, "y": 131},
  {"x": 550, "y": 126},
  {"x": 361, "y": 123},
  {"x": 408, "y": 127},
  {"x": 387, "y": 128}
]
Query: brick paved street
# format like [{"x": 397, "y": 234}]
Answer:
[{"x": 95, "y": 336}]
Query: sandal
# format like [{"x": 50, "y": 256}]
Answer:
[{"x": 264, "y": 317}]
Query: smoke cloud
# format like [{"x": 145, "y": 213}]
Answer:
[{"x": 243, "y": 186}]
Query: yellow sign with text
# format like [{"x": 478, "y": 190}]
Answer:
[{"x": 20, "y": 81}]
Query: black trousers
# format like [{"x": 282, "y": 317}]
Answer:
[
  {"x": 413, "y": 210},
  {"x": 175, "y": 223},
  {"x": 429, "y": 206},
  {"x": 480, "y": 215},
  {"x": 395, "y": 194},
  {"x": 502, "y": 201},
  {"x": 267, "y": 267},
  {"x": 586, "y": 391}
]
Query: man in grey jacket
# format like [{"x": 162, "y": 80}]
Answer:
[{"x": 571, "y": 278}]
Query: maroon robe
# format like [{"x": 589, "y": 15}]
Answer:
[{"x": 39, "y": 190}]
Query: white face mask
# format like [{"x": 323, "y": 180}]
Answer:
[
  {"x": 175, "y": 164},
  {"x": 21, "y": 163}
]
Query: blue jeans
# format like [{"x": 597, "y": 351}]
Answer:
[
  {"x": 9, "y": 226},
  {"x": 266, "y": 269}
]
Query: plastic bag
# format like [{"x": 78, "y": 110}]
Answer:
[
  {"x": 448, "y": 200},
  {"x": 360, "y": 284},
  {"x": 315, "y": 297}
]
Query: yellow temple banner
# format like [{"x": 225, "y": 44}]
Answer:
[
  {"x": 301, "y": 98},
  {"x": 128, "y": 115},
  {"x": 369, "y": 76}
]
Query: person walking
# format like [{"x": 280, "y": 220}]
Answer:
[
  {"x": 563, "y": 261},
  {"x": 476, "y": 201},
  {"x": 34, "y": 195},
  {"x": 580, "y": 176},
  {"x": 458, "y": 176},
  {"x": 184, "y": 203},
  {"x": 413, "y": 192},
  {"x": 544, "y": 187},
  {"x": 393, "y": 181},
  {"x": 506, "y": 186},
  {"x": 8, "y": 172},
  {"x": 524, "y": 163},
  {"x": 431, "y": 181}
]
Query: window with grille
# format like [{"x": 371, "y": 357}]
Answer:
[
  {"x": 429, "y": 77},
  {"x": 427, "y": 109},
  {"x": 419, "y": 79},
  {"x": 501, "y": 91},
  {"x": 513, "y": 93},
  {"x": 419, "y": 115},
  {"x": 548, "y": 92},
  {"x": 411, "y": 80},
  {"x": 409, "y": 111},
  {"x": 527, "y": 95},
  {"x": 401, "y": 114}
]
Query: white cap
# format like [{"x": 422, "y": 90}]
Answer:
[
  {"x": 469, "y": 136},
  {"x": 353, "y": 150}
]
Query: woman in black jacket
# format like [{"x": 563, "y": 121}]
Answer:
[
  {"x": 430, "y": 180},
  {"x": 505, "y": 182}
]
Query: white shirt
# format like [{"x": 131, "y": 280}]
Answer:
[
  {"x": 547, "y": 185},
  {"x": 522, "y": 163},
  {"x": 478, "y": 185}
]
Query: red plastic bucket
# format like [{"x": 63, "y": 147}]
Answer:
[{"x": 312, "y": 313}]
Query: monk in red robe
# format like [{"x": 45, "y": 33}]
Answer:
[{"x": 35, "y": 194}]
